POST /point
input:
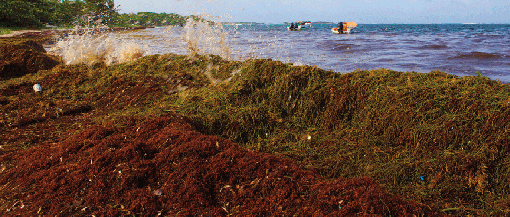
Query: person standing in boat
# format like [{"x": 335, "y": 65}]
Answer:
[{"x": 340, "y": 27}]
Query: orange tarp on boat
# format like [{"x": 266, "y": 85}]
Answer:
[{"x": 351, "y": 24}]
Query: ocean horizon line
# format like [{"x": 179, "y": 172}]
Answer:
[{"x": 334, "y": 22}]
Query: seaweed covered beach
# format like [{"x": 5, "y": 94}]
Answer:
[{"x": 185, "y": 135}]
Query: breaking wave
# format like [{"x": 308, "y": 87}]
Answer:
[
  {"x": 205, "y": 37},
  {"x": 90, "y": 49}
]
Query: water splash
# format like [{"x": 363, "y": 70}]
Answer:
[
  {"x": 91, "y": 49},
  {"x": 206, "y": 37}
]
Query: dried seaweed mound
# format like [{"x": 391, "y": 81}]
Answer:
[
  {"x": 163, "y": 166},
  {"x": 21, "y": 57}
]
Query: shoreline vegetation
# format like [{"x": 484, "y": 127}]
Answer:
[
  {"x": 199, "y": 135},
  {"x": 43, "y": 15}
]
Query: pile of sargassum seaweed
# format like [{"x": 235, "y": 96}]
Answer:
[{"x": 180, "y": 135}]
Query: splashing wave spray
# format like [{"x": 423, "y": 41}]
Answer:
[
  {"x": 90, "y": 49},
  {"x": 205, "y": 37}
]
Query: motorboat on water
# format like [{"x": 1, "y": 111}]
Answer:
[
  {"x": 299, "y": 25},
  {"x": 344, "y": 28}
]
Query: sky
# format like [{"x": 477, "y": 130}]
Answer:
[{"x": 360, "y": 11}]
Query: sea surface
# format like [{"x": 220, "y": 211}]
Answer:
[{"x": 460, "y": 49}]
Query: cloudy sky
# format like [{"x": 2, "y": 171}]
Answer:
[{"x": 361, "y": 11}]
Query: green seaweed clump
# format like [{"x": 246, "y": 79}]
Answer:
[{"x": 436, "y": 138}]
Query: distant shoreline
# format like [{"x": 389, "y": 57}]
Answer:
[{"x": 21, "y": 33}]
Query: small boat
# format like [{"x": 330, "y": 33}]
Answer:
[
  {"x": 299, "y": 25},
  {"x": 344, "y": 28}
]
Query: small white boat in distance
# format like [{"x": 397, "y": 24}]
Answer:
[{"x": 344, "y": 27}]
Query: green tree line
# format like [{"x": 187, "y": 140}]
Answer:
[
  {"x": 152, "y": 19},
  {"x": 62, "y": 13}
]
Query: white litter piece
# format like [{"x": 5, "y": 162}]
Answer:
[{"x": 37, "y": 88}]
